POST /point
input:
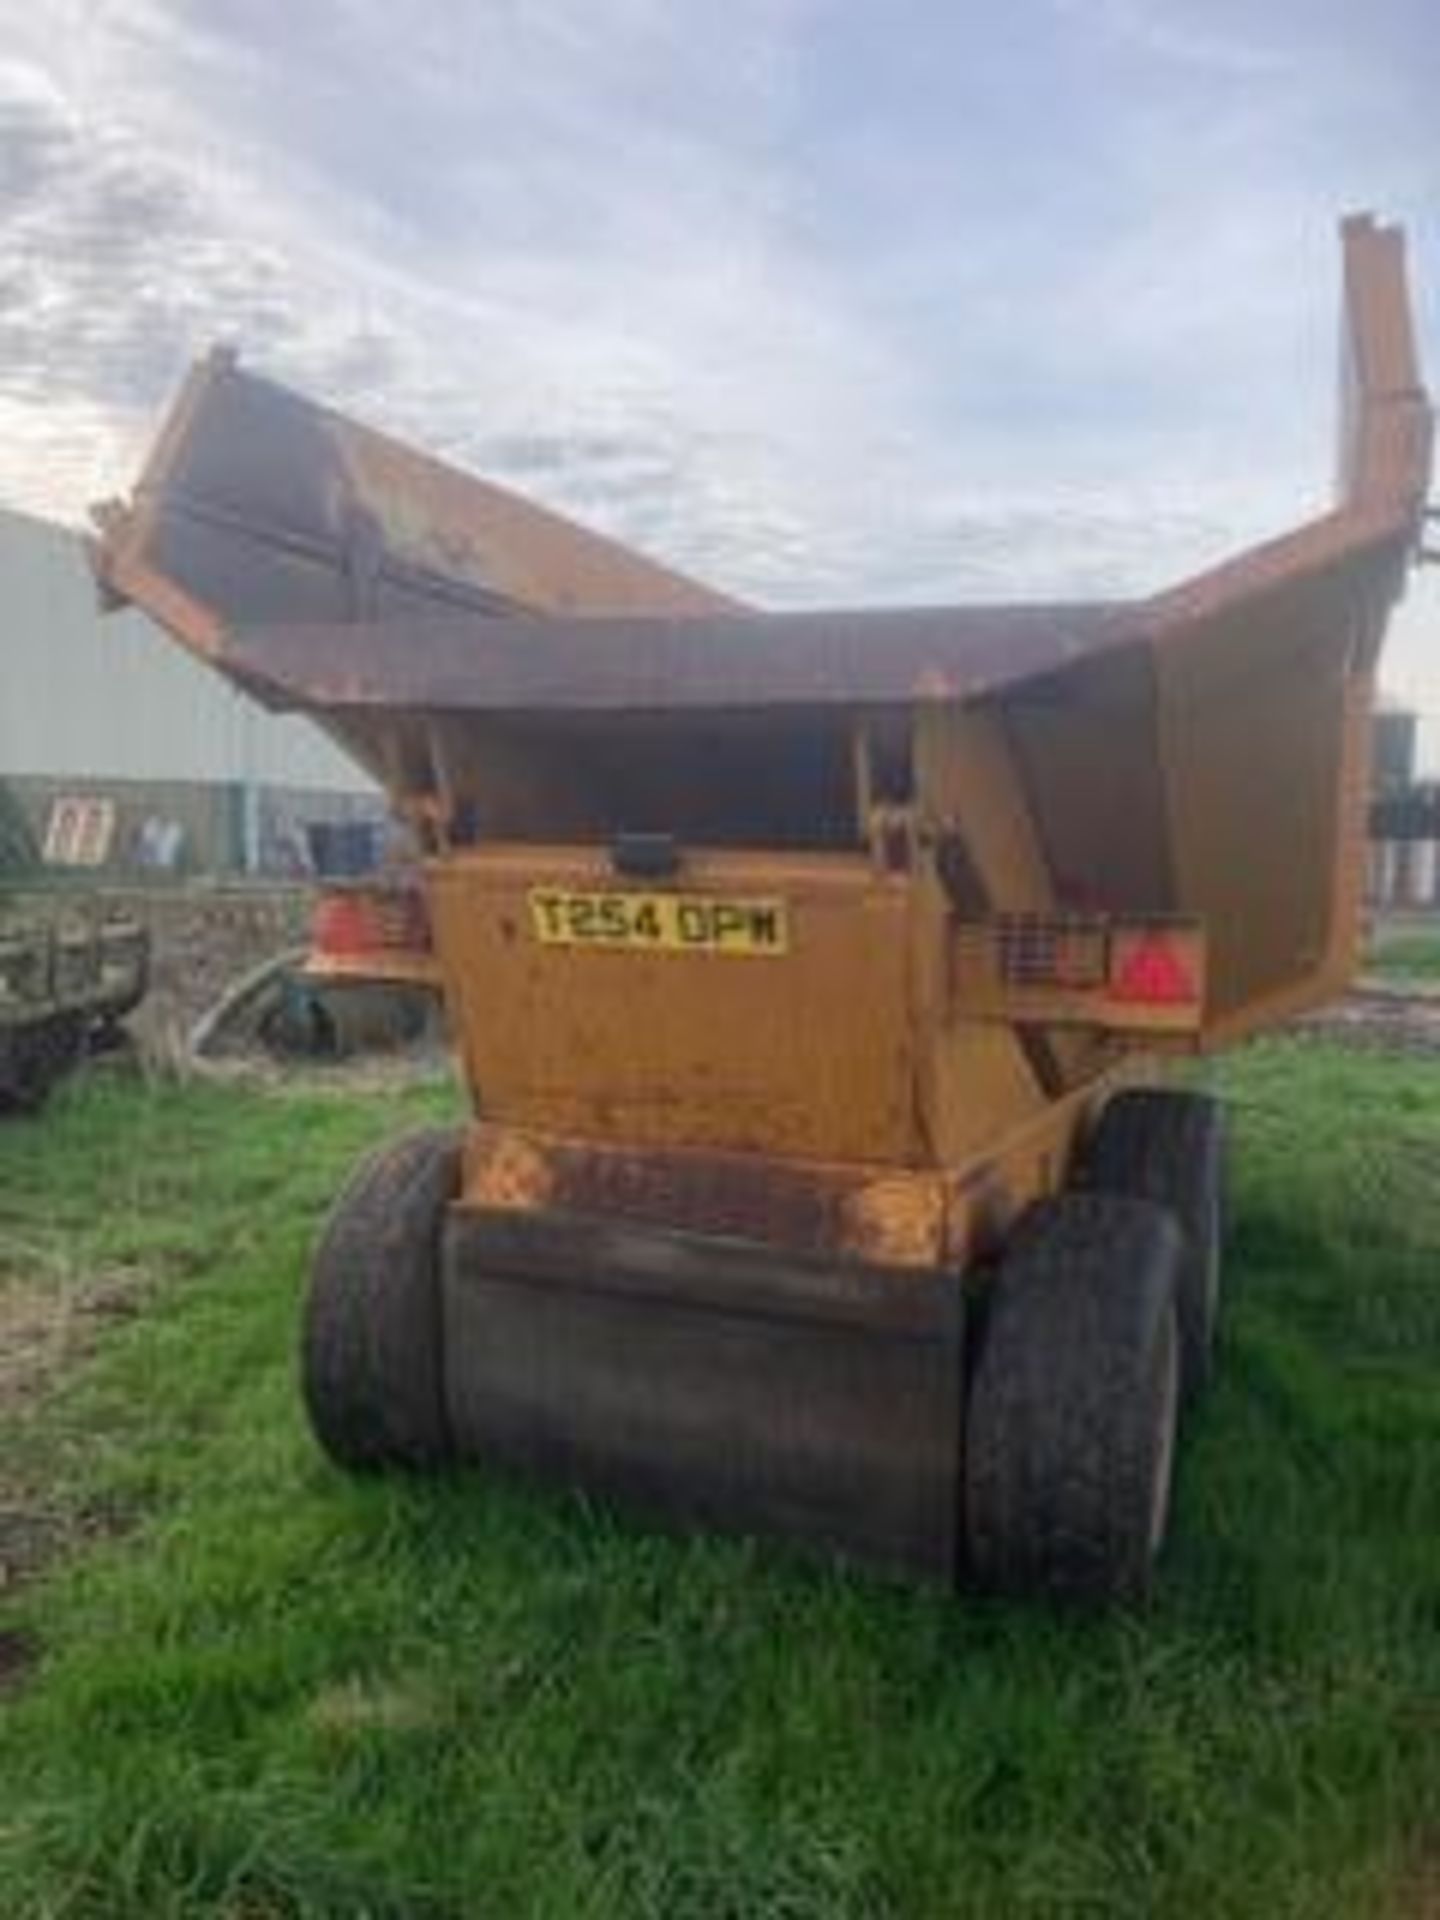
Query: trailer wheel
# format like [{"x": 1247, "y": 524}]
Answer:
[
  {"x": 33, "y": 1059},
  {"x": 1074, "y": 1401},
  {"x": 372, "y": 1341},
  {"x": 1159, "y": 1144}
]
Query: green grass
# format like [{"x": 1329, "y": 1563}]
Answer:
[
  {"x": 266, "y": 1690},
  {"x": 1410, "y": 955}
]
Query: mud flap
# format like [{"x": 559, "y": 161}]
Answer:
[{"x": 710, "y": 1381}]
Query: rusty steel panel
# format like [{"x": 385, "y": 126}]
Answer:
[
  {"x": 290, "y": 534},
  {"x": 1251, "y": 743},
  {"x": 838, "y": 1210},
  {"x": 711, "y": 1380},
  {"x": 651, "y": 663},
  {"x": 1087, "y": 755},
  {"x": 1387, "y": 426},
  {"x": 257, "y": 505}
]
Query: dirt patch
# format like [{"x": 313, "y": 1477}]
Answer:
[
  {"x": 426, "y": 1064},
  {"x": 34, "y": 1532},
  {"x": 46, "y": 1324},
  {"x": 19, "y": 1652},
  {"x": 1384, "y": 1019},
  {"x": 31, "y": 1536},
  {"x": 1417, "y": 1894},
  {"x": 357, "y": 1706}
]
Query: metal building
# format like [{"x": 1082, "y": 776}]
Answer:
[{"x": 101, "y": 708}]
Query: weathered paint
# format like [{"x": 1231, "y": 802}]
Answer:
[{"x": 896, "y": 779}]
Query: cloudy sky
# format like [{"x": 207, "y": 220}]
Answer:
[{"x": 822, "y": 299}]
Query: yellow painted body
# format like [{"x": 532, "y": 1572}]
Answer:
[
  {"x": 808, "y": 1053},
  {"x": 846, "y": 1059},
  {"x": 917, "y": 920}
]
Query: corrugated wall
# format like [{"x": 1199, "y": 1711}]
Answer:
[{"x": 107, "y": 696}]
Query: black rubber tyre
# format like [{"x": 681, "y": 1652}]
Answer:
[
  {"x": 1074, "y": 1401},
  {"x": 372, "y": 1346},
  {"x": 1159, "y": 1144},
  {"x": 35, "y": 1058}
]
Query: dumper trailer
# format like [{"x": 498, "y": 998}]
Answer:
[
  {"x": 810, "y": 974},
  {"x": 70, "y": 973}
]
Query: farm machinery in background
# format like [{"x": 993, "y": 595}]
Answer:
[
  {"x": 71, "y": 969},
  {"x": 69, "y": 975}
]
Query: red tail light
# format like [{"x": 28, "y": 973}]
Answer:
[
  {"x": 358, "y": 921},
  {"x": 339, "y": 926},
  {"x": 1150, "y": 969}
]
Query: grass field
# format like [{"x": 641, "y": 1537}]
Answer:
[
  {"x": 242, "y": 1685},
  {"x": 1408, "y": 954}
]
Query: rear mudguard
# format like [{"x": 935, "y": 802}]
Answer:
[{"x": 711, "y": 1381}]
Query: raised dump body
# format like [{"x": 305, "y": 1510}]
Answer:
[{"x": 797, "y": 962}]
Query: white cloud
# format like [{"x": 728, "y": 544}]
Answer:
[
  {"x": 576, "y": 243},
  {"x": 1180, "y": 34},
  {"x": 615, "y": 294}
]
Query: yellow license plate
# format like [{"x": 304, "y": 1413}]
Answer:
[{"x": 659, "y": 922}]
